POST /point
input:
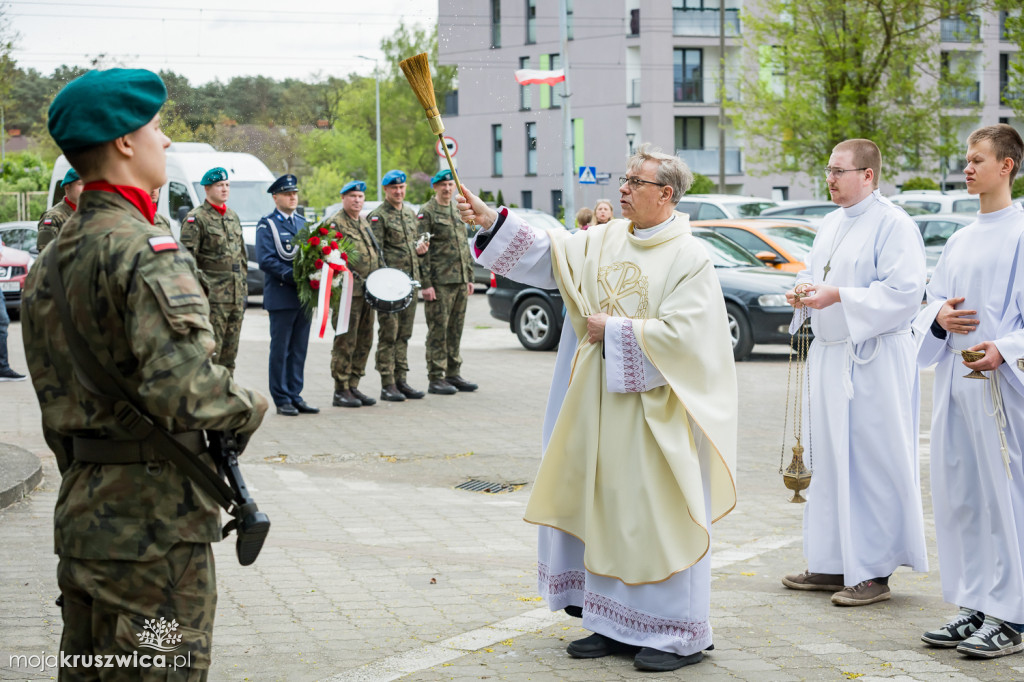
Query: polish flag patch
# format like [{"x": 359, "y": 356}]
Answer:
[
  {"x": 374, "y": 219},
  {"x": 420, "y": 216},
  {"x": 159, "y": 244},
  {"x": 191, "y": 219},
  {"x": 47, "y": 222}
]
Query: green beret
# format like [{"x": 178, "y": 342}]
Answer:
[
  {"x": 69, "y": 177},
  {"x": 213, "y": 176},
  {"x": 441, "y": 176},
  {"x": 104, "y": 105}
]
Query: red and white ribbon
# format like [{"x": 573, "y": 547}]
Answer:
[{"x": 323, "y": 299}]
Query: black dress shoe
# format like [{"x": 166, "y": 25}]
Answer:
[
  {"x": 305, "y": 408},
  {"x": 574, "y": 611},
  {"x": 598, "y": 646},
  {"x": 656, "y": 660},
  {"x": 408, "y": 391},
  {"x": 441, "y": 387},
  {"x": 362, "y": 397},
  {"x": 461, "y": 384},
  {"x": 287, "y": 410},
  {"x": 346, "y": 399},
  {"x": 392, "y": 394}
]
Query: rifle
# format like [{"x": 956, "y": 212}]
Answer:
[{"x": 251, "y": 525}]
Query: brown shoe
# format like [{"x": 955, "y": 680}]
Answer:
[
  {"x": 822, "y": 582},
  {"x": 862, "y": 594}
]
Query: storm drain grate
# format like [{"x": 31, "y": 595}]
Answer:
[{"x": 475, "y": 485}]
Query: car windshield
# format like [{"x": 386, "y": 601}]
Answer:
[
  {"x": 748, "y": 209},
  {"x": 249, "y": 199},
  {"x": 796, "y": 240},
  {"x": 726, "y": 253}
]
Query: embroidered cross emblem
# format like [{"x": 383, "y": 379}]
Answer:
[{"x": 624, "y": 289}]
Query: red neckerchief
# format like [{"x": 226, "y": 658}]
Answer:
[
  {"x": 219, "y": 209},
  {"x": 133, "y": 195},
  {"x": 73, "y": 207}
]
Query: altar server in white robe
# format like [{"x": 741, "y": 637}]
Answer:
[
  {"x": 863, "y": 285},
  {"x": 640, "y": 434},
  {"x": 976, "y": 302}
]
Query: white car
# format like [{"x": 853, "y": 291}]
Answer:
[
  {"x": 718, "y": 206},
  {"x": 934, "y": 201}
]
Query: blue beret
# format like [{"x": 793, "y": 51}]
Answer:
[
  {"x": 104, "y": 105},
  {"x": 355, "y": 185},
  {"x": 214, "y": 175},
  {"x": 441, "y": 176},
  {"x": 393, "y": 177},
  {"x": 285, "y": 183},
  {"x": 69, "y": 177}
]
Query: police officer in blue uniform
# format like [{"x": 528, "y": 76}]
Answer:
[{"x": 289, "y": 326}]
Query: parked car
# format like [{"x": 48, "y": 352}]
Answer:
[
  {"x": 14, "y": 265},
  {"x": 781, "y": 244},
  {"x": 533, "y": 216},
  {"x": 934, "y": 201},
  {"x": 715, "y": 206},
  {"x": 20, "y": 234},
  {"x": 800, "y": 209},
  {"x": 755, "y": 301},
  {"x": 936, "y": 230}
]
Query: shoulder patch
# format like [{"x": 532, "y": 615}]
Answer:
[
  {"x": 421, "y": 216},
  {"x": 374, "y": 218},
  {"x": 159, "y": 244},
  {"x": 48, "y": 221},
  {"x": 191, "y": 219}
]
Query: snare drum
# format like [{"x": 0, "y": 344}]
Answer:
[{"x": 388, "y": 290}]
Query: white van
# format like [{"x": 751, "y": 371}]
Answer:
[{"x": 186, "y": 164}]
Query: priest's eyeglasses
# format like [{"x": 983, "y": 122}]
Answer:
[
  {"x": 635, "y": 182},
  {"x": 838, "y": 172}
]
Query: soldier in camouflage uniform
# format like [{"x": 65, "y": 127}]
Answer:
[
  {"x": 352, "y": 349},
  {"x": 132, "y": 532},
  {"x": 394, "y": 226},
  {"x": 447, "y": 278},
  {"x": 58, "y": 214},
  {"x": 213, "y": 233}
]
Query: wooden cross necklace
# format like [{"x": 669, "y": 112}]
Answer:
[{"x": 828, "y": 263}]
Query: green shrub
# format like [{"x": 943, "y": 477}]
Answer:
[
  {"x": 915, "y": 184},
  {"x": 702, "y": 184},
  {"x": 1018, "y": 187}
]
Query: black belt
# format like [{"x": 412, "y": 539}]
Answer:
[{"x": 103, "y": 451}]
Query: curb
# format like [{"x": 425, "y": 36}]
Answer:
[{"x": 20, "y": 473}]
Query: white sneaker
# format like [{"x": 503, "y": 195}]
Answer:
[{"x": 993, "y": 639}]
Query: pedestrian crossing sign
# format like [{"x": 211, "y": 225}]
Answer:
[{"x": 588, "y": 175}]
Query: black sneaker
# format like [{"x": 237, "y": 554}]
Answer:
[
  {"x": 956, "y": 630},
  {"x": 8, "y": 374},
  {"x": 993, "y": 639},
  {"x": 598, "y": 646},
  {"x": 659, "y": 661}
]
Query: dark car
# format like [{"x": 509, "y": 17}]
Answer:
[{"x": 755, "y": 301}]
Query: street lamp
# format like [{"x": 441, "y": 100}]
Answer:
[
  {"x": 629, "y": 138},
  {"x": 376, "y": 81}
]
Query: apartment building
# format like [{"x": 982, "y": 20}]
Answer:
[{"x": 640, "y": 71}]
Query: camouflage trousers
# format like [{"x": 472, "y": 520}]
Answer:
[
  {"x": 394, "y": 330},
  {"x": 227, "y": 327},
  {"x": 446, "y": 316},
  {"x": 352, "y": 349},
  {"x": 139, "y": 609}
]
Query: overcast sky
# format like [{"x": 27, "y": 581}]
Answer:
[{"x": 207, "y": 41}]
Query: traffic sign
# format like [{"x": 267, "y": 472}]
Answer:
[
  {"x": 588, "y": 175},
  {"x": 603, "y": 178},
  {"x": 453, "y": 146}
]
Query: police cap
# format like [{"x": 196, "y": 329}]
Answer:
[
  {"x": 393, "y": 177},
  {"x": 213, "y": 176},
  {"x": 285, "y": 183},
  {"x": 101, "y": 106},
  {"x": 69, "y": 177},
  {"x": 441, "y": 176},
  {"x": 355, "y": 185}
]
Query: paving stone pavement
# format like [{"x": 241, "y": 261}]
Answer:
[{"x": 377, "y": 569}]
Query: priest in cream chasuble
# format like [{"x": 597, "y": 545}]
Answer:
[{"x": 640, "y": 434}]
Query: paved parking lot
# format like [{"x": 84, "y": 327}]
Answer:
[{"x": 377, "y": 568}]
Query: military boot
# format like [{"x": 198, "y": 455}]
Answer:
[{"x": 344, "y": 398}]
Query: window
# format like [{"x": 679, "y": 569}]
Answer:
[
  {"x": 747, "y": 240},
  {"x": 557, "y": 90},
  {"x": 556, "y": 202},
  {"x": 688, "y": 75},
  {"x": 531, "y": 148},
  {"x": 524, "y": 90},
  {"x": 495, "y": 23},
  {"x": 531, "y": 22},
  {"x": 689, "y": 132},
  {"x": 178, "y": 198},
  {"x": 527, "y": 199},
  {"x": 496, "y": 165}
]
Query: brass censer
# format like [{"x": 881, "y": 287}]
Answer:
[
  {"x": 796, "y": 476},
  {"x": 973, "y": 356}
]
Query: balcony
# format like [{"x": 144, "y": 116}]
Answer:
[
  {"x": 961, "y": 95},
  {"x": 961, "y": 30},
  {"x": 705, "y": 161},
  {"x": 689, "y": 90},
  {"x": 704, "y": 22}
]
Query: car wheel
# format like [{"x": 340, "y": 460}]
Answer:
[
  {"x": 739, "y": 331},
  {"x": 536, "y": 325}
]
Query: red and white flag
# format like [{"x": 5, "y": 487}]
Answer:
[{"x": 531, "y": 76}]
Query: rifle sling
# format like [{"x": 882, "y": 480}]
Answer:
[{"x": 96, "y": 371}]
